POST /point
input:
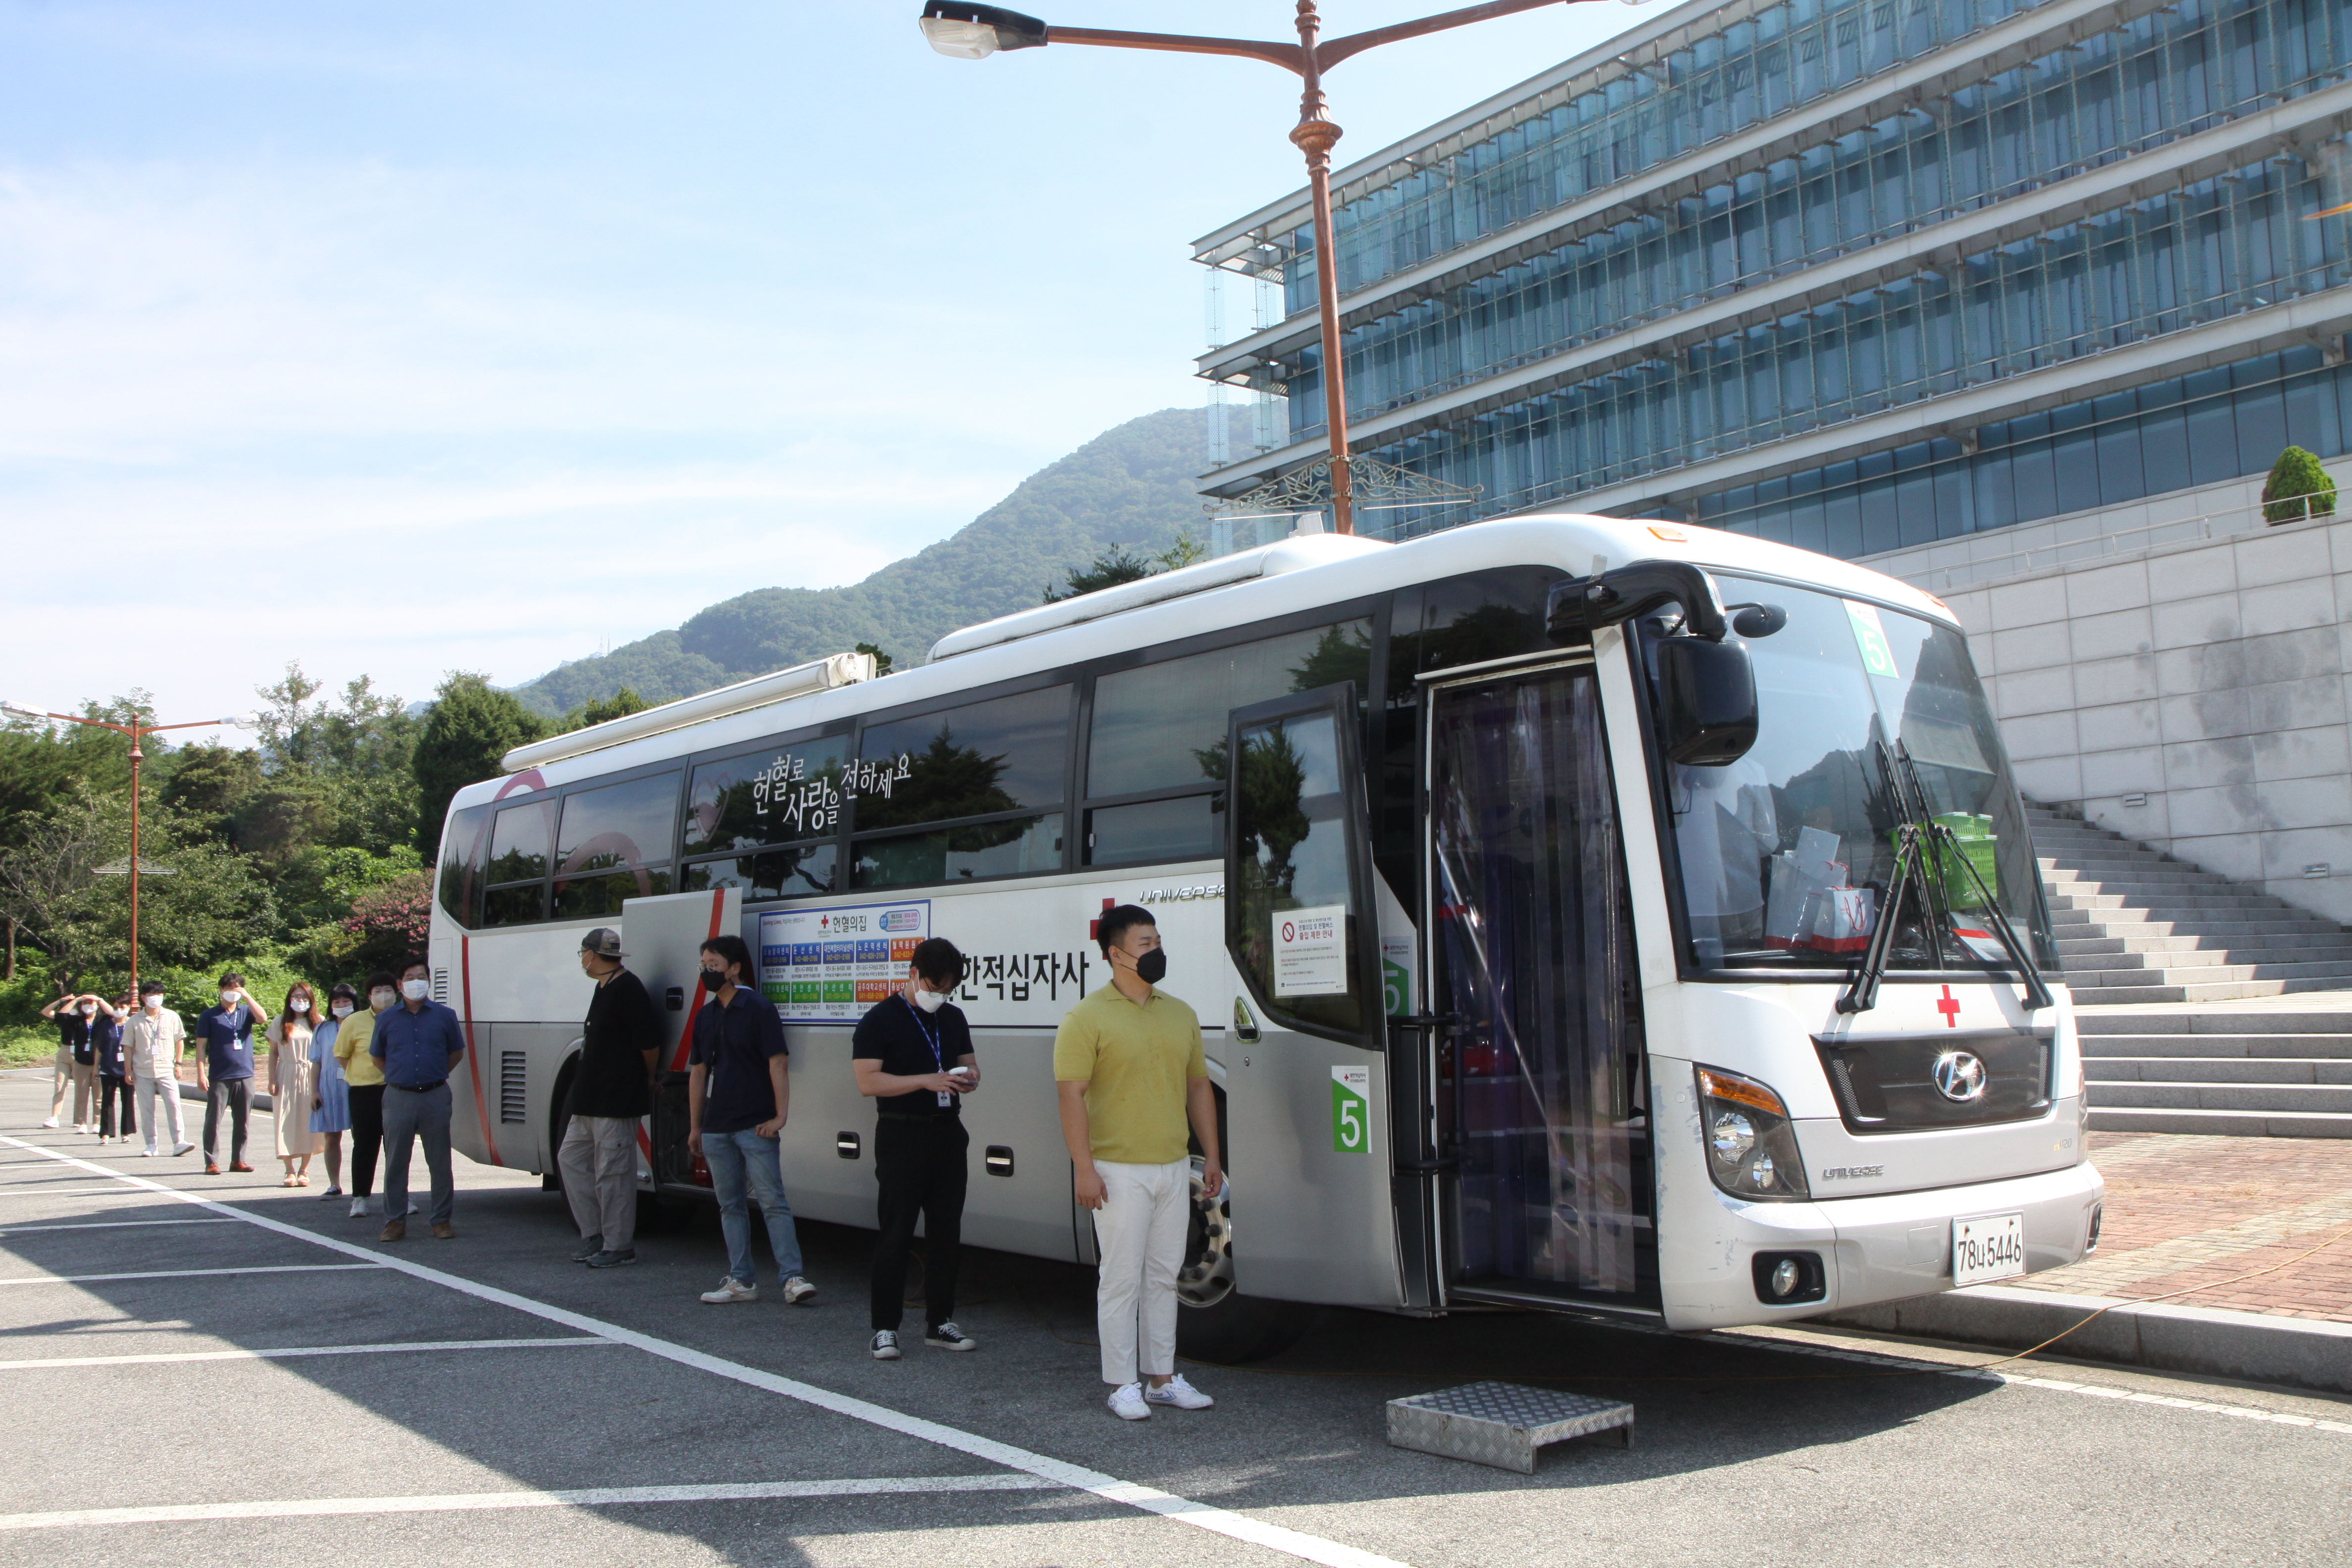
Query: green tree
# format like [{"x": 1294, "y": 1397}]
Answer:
[
  {"x": 208, "y": 784},
  {"x": 2298, "y": 487},
  {"x": 602, "y": 710},
  {"x": 471, "y": 726},
  {"x": 1119, "y": 565},
  {"x": 882, "y": 661}
]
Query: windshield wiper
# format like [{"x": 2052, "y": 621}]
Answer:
[{"x": 1921, "y": 843}]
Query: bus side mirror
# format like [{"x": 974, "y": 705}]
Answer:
[{"x": 1706, "y": 701}]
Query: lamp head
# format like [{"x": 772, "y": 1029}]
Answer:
[{"x": 966, "y": 32}]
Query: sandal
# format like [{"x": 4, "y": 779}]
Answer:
[{"x": 291, "y": 1182}]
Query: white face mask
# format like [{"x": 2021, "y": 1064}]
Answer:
[
  {"x": 300, "y": 1007},
  {"x": 342, "y": 1009},
  {"x": 228, "y": 998},
  {"x": 382, "y": 998},
  {"x": 155, "y": 1003},
  {"x": 929, "y": 1001},
  {"x": 415, "y": 990},
  {"x": 88, "y": 1010}
]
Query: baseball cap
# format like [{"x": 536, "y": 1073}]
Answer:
[{"x": 603, "y": 942}]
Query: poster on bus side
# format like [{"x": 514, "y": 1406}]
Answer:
[{"x": 827, "y": 964}]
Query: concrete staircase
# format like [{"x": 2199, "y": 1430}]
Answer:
[
  {"x": 2134, "y": 925},
  {"x": 2167, "y": 960}
]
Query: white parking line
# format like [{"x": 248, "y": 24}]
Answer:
[
  {"x": 7, "y": 1231},
  {"x": 167, "y": 1356},
  {"x": 1151, "y": 1500},
  {"x": 14, "y": 1191},
  {"x": 187, "y": 1273},
  {"x": 597, "y": 1497}
]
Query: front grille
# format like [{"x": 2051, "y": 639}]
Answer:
[
  {"x": 514, "y": 1067},
  {"x": 1889, "y": 1084}
]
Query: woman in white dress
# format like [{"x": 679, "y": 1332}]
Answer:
[
  {"x": 330, "y": 1092},
  {"x": 291, "y": 1080}
]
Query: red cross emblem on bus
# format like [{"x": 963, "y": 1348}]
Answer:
[
  {"x": 1950, "y": 1008},
  {"x": 1094, "y": 927}
]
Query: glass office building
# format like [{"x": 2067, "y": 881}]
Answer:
[{"x": 1854, "y": 275}]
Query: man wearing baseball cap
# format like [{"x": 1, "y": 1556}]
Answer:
[{"x": 611, "y": 1091}]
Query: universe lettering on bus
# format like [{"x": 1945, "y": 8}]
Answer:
[{"x": 811, "y": 805}]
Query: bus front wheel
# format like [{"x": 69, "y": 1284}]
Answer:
[{"x": 1218, "y": 1323}]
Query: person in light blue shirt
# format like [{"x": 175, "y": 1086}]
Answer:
[{"x": 418, "y": 1042}]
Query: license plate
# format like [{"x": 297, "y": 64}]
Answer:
[{"x": 1989, "y": 1247}]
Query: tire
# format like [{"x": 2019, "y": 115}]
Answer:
[
  {"x": 1217, "y": 1324},
  {"x": 558, "y": 1121}
]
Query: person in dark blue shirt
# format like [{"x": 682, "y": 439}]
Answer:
[
  {"x": 737, "y": 1095},
  {"x": 113, "y": 1065},
  {"x": 224, "y": 1037},
  {"x": 418, "y": 1042}
]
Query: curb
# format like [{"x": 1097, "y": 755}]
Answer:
[{"x": 2215, "y": 1341}]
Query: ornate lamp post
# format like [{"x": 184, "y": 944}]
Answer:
[
  {"x": 975, "y": 32},
  {"x": 135, "y": 730}
]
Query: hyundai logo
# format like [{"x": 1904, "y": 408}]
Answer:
[{"x": 1959, "y": 1077}]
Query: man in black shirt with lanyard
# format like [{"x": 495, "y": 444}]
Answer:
[
  {"x": 611, "y": 1091},
  {"x": 912, "y": 1054}
]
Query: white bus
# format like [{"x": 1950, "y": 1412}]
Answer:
[{"x": 1584, "y": 914}]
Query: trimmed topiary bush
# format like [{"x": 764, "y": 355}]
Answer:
[{"x": 2298, "y": 487}]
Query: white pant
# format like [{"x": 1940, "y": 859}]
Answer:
[
  {"x": 1140, "y": 1232},
  {"x": 159, "y": 1107}
]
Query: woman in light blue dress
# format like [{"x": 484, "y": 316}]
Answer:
[{"x": 331, "y": 1095}]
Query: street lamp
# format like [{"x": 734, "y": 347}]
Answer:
[
  {"x": 968, "y": 31},
  {"x": 134, "y": 730}
]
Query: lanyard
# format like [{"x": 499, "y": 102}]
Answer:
[{"x": 931, "y": 1038}]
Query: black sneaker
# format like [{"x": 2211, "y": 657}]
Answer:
[
  {"x": 886, "y": 1345},
  {"x": 948, "y": 1337},
  {"x": 613, "y": 1259},
  {"x": 588, "y": 1249}
]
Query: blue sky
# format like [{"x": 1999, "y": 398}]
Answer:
[{"x": 397, "y": 336}]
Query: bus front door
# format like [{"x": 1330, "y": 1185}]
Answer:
[{"x": 1539, "y": 1071}]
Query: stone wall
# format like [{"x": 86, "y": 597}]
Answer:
[{"x": 2191, "y": 694}]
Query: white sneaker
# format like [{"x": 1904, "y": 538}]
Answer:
[
  {"x": 1126, "y": 1403},
  {"x": 359, "y": 1209},
  {"x": 52, "y": 1121},
  {"x": 731, "y": 1290},
  {"x": 182, "y": 1149},
  {"x": 796, "y": 1290},
  {"x": 886, "y": 1345},
  {"x": 149, "y": 1152},
  {"x": 1180, "y": 1393},
  {"x": 948, "y": 1337}
]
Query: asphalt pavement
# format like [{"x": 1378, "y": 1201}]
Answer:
[{"x": 251, "y": 1377}]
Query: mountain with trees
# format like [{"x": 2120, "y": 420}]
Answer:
[
  {"x": 309, "y": 855},
  {"x": 1124, "y": 501}
]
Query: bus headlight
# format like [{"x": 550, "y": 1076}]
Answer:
[{"x": 1751, "y": 1149}]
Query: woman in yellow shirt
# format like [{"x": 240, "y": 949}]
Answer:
[{"x": 364, "y": 1076}]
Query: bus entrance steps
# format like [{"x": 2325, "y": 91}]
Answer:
[{"x": 1503, "y": 1424}]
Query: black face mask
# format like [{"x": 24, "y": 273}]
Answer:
[
  {"x": 713, "y": 979},
  {"x": 1152, "y": 967}
]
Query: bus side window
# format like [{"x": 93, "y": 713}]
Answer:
[
  {"x": 615, "y": 844},
  {"x": 464, "y": 854},
  {"x": 1156, "y": 750},
  {"x": 995, "y": 767},
  {"x": 520, "y": 840}
]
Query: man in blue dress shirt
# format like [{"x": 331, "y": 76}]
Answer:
[{"x": 418, "y": 1044}]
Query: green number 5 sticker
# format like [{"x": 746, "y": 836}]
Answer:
[{"x": 1351, "y": 1109}]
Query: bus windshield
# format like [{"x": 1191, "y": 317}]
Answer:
[{"x": 1786, "y": 856}]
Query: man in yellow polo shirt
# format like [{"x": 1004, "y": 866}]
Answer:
[{"x": 1129, "y": 1068}]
